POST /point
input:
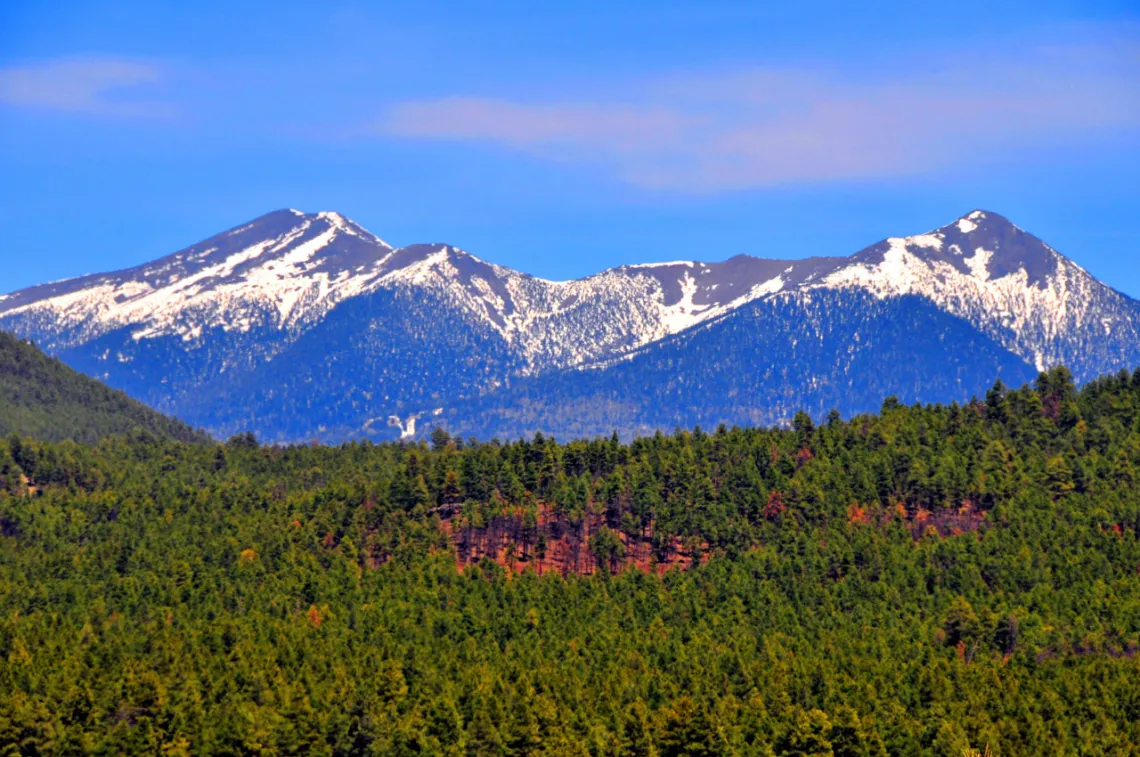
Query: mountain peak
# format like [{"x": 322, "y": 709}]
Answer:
[
  {"x": 279, "y": 223},
  {"x": 278, "y": 269},
  {"x": 295, "y": 302},
  {"x": 980, "y": 219},
  {"x": 1007, "y": 248},
  {"x": 981, "y": 244}
]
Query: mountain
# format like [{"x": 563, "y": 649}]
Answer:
[
  {"x": 43, "y": 398},
  {"x": 759, "y": 365},
  {"x": 1009, "y": 284},
  {"x": 307, "y": 326}
]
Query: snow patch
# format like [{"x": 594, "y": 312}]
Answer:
[
  {"x": 926, "y": 240},
  {"x": 686, "y": 263},
  {"x": 407, "y": 427},
  {"x": 965, "y": 225},
  {"x": 893, "y": 275},
  {"x": 684, "y": 314},
  {"x": 421, "y": 271},
  {"x": 979, "y": 264}
]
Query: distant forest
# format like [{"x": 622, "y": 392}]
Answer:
[{"x": 925, "y": 581}]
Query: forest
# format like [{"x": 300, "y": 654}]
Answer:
[
  {"x": 925, "y": 581},
  {"x": 42, "y": 397}
]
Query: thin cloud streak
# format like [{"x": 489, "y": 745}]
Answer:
[
  {"x": 86, "y": 86},
  {"x": 767, "y": 127},
  {"x": 478, "y": 119}
]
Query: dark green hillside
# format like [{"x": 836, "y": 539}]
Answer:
[
  {"x": 918, "y": 582},
  {"x": 43, "y": 398}
]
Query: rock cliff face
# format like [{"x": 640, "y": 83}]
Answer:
[{"x": 549, "y": 543}]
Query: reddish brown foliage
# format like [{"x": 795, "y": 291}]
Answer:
[
  {"x": 941, "y": 522},
  {"x": 1051, "y": 405},
  {"x": 947, "y": 521},
  {"x": 775, "y": 506}
]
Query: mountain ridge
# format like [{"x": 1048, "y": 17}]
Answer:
[
  {"x": 318, "y": 303},
  {"x": 821, "y": 351}
]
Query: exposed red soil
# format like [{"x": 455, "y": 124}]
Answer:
[
  {"x": 556, "y": 544},
  {"x": 564, "y": 547},
  {"x": 946, "y": 521},
  {"x": 942, "y": 522}
]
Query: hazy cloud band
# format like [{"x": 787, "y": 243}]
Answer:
[
  {"x": 764, "y": 127},
  {"x": 89, "y": 86}
]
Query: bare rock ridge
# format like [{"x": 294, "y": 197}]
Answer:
[{"x": 291, "y": 305}]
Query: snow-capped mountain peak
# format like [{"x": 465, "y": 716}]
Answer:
[
  {"x": 980, "y": 244},
  {"x": 1002, "y": 279},
  {"x": 276, "y": 271},
  {"x": 264, "y": 286}
]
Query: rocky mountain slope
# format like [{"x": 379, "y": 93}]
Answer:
[
  {"x": 758, "y": 365},
  {"x": 1037, "y": 303},
  {"x": 308, "y": 326}
]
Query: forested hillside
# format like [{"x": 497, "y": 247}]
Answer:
[
  {"x": 917, "y": 582},
  {"x": 43, "y": 398}
]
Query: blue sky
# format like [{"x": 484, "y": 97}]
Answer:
[{"x": 564, "y": 138}]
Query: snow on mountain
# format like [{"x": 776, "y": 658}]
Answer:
[
  {"x": 1009, "y": 284},
  {"x": 557, "y": 324},
  {"x": 285, "y": 271},
  {"x": 280, "y": 270},
  {"x": 289, "y": 284},
  {"x": 760, "y": 364}
]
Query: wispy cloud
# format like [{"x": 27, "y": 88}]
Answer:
[
  {"x": 771, "y": 126},
  {"x": 89, "y": 86},
  {"x": 611, "y": 126}
]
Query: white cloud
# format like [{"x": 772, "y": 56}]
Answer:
[
  {"x": 771, "y": 126},
  {"x": 92, "y": 86}
]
